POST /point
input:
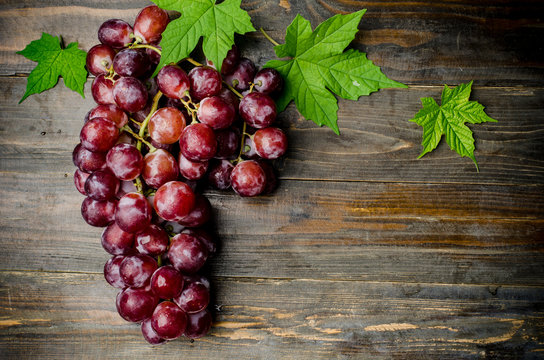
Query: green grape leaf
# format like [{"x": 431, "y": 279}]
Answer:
[
  {"x": 54, "y": 61},
  {"x": 216, "y": 23},
  {"x": 449, "y": 119},
  {"x": 319, "y": 66}
]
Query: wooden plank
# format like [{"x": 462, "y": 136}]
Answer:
[
  {"x": 430, "y": 42},
  {"x": 358, "y": 230},
  {"x": 275, "y": 319},
  {"x": 381, "y": 145}
]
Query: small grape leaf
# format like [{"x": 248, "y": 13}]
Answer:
[
  {"x": 54, "y": 61},
  {"x": 319, "y": 66},
  {"x": 216, "y": 23},
  {"x": 449, "y": 119}
]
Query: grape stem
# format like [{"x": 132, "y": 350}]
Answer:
[
  {"x": 274, "y": 42},
  {"x": 193, "y": 61},
  {"x": 139, "y": 138},
  {"x": 148, "y": 117},
  {"x": 139, "y": 185},
  {"x": 242, "y": 143},
  {"x": 147, "y": 46},
  {"x": 233, "y": 90}
]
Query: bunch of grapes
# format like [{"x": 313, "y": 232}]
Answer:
[{"x": 147, "y": 150}]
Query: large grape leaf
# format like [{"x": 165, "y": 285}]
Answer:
[
  {"x": 319, "y": 66},
  {"x": 216, "y": 23},
  {"x": 449, "y": 119},
  {"x": 54, "y": 61}
]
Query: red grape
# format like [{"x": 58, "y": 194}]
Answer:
[
  {"x": 160, "y": 167},
  {"x": 152, "y": 241},
  {"x": 130, "y": 94},
  {"x": 216, "y": 112},
  {"x": 111, "y": 272},
  {"x": 102, "y": 185},
  {"x": 200, "y": 214},
  {"x": 219, "y": 175},
  {"x": 133, "y": 213},
  {"x": 194, "y": 298},
  {"x": 100, "y": 59},
  {"x": 173, "y": 81},
  {"x": 131, "y": 62},
  {"x": 198, "y": 142},
  {"x": 192, "y": 170},
  {"x": 98, "y": 213},
  {"x": 136, "y": 305},
  {"x": 228, "y": 143},
  {"x": 270, "y": 143},
  {"x": 116, "y": 241},
  {"x": 168, "y": 320},
  {"x": 205, "y": 82},
  {"x": 268, "y": 81},
  {"x": 115, "y": 33},
  {"x": 150, "y": 23},
  {"x": 99, "y": 135},
  {"x": 198, "y": 324},
  {"x": 187, "y": 254},
  {"x": 166, "y": 125},
  {"x": 102, "y": 90},
  {"x": 88, "y": 161},
  {"x": 136, "y": 270},
  {"x": 174, "y": 200},
  {"x": 125, "y": 161},
  {"x": 111, "y": 112},
  {"x": 150, "y": 335},
  {"x": 79, "y": 180},
  {"x": 242, "y": 75},
  {"x": 248, "y": 178},
  {"x": 205, "y": 238},
  {"x": 166, "y": 282},
  {"x": 258, "y": 110},
  {"x": 231, "y": 61}
]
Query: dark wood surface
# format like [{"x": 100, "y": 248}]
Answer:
[{"x": 363, "y": 251}]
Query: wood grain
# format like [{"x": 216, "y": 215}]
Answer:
[
  {"x": 277, "y": 319},
  {"x": 426, "y": 43}
]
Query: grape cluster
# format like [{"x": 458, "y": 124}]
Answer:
[{"x": 147, "y": 150}]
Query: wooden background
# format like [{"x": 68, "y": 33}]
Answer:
[{"x": 362, "y": 252}]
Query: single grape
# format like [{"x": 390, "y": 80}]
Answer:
[
  {"x": 131, "y": 62},
  {"x": 79, "y": 180},
  {"x": 166, "y": 282},
  {"x": 152, "y": 241},
  {"x": 173, "y": 81},
  {"x": 116, "y": 241},
  {"x": 205, "y": 82},
  {"x": 136, "y": 270},
  {"x": 125, "y": 161},
  {"x": 198, "y": 142},
  {"x": 136, "y": 305},
  {"x": 111, "y": 112},
  {"x": 242, "y": 75},
  {"x": 150, "y": 335},
  {"x": 231, "y": 61},
  {"x": 268, "y": 81},
  {"x": 194, "y": 298},
  {"x": 99, "y": 135},
  {"x": 160, "y": 167},
  {"x": 248, "y": 178},
  {"x": 111, "y": 272},
  {"x": 270, "y": 143},
  {"x": 187, "y": 254},
  {"x": 150, "y": 23},
  {"x": 166, "y": 125},
  {"x": 228, "y": 143},
  {"x": 130, "y": 94},
  {"x": 204, "y": 237},
  {"x": 219, "y": 175},
  {"x": 102, "y": 90},
  {"x": 174, "y": 200},
  {"x": 100, "y": 59},
  {"x": 230, "y": 98},
  {"x": 168, "y": 320},
  {"x": 258, "y": 110},
  {"x": 192, "y": 170},
  {"x": 200, "y": 214},
  {"x": 216, "y": 112},
  {"x": 115, "y": 33},
  {"x": 98, "y": 213},
  {"x": 198, "y": 324},
  {"x": 133, "y": 213},
  {"x": 187, "y": 279},
  {"x": 102, "y": 185}
]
